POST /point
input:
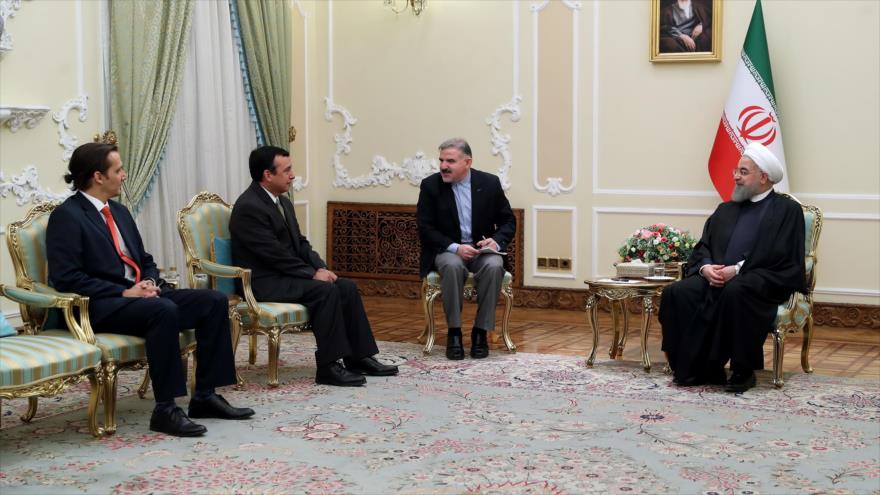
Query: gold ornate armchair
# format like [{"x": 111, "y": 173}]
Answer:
[
  {"x": 797, "y": 313},
  {"x": 26, "y": 240},
  {"x": 430, "y": 291},
  {"x": 34, "y": 366},
  {"x": 203, "y": 226}
]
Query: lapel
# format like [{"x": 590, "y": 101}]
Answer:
[
  {"x": 724, "y": 231},
  {"x": 94, "y": 217},
  {"x": 267, "y": 202},
  {"x": 478, "y": 197},
  {"x": 448, "y": 197},
  {"x": 769, "y": 225}
]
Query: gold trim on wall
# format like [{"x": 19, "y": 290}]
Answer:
[{"x": 654, "y": 42}]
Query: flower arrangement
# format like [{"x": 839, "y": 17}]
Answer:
[{"x": 658, "y": 243}]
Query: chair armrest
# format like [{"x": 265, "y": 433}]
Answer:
[
  {"x": 229, "y": 271},
  {"x": 222, "y": 271},
  {"x": 43, "y": 296}
]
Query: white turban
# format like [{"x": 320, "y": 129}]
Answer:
[{"x": 765, "y": 160}]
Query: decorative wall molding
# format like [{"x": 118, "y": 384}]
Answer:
[
  {"x": 67, "y": 140},
  {"x": 298, "y": 182},
  {"x": 308, "y": 221},
  {"x": 547, "y": 274},
  {"x": 27, "y": 189},
  {"x": 553, "y": 185},
  {"x": 710, "y": 194},
  {"x": 14, "y": 117},
  {"x": 412, "y": 169},
  {"x": 8, "y": 9}
]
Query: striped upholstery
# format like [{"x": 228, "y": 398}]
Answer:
[
  {"x": 797, "y": 315},
  {"x": 123, "y": 348},
  {"x": 433, "y": 279},
  {"x": 809, "y": 219},
  {"x": 33, "y": 249},
  {"x": 28, "y": 359},
  {"x": 209, "y": 220},
  {"x": 279, "y": 314}
]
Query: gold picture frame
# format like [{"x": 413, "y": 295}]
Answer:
[{"x": 665, "y": 46}]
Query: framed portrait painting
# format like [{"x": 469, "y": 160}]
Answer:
[{"x": 685, "y": 30}]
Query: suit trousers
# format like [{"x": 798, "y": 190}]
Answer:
[
  {"x": 338, "y": 319},
  {"x": 488, "y": 270},
  {"x": 160, "y": 319}
]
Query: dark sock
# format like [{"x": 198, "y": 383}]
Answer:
[
  {"x": 455, "y": 332},
  {"x": 164, "y": 406},
  {"x": 479, "y": 330},
  {"x": 203, "y": 394}
]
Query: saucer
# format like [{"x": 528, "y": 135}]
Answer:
[{"x": 664, "y": 278}]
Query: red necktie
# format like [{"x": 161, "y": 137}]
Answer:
[{"x": 111, "y": 226}]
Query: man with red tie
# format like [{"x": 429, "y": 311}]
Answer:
[{"x": 94, "y": 249}]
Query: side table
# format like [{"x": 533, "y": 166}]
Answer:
[{"x": 616, "y": 293}]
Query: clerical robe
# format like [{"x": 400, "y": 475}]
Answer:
[{"x": 704, "y": 326}]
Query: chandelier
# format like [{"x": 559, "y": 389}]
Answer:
[{"x": 417, "y": 5}]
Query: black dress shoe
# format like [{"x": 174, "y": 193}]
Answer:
[
  {"x": 688, "y": 381},
  {"x": 740, "y": 382},
  {"x": 479, "y": 344},
  {"x": 216, "y": 406},
  {"x": 716, "y": 377},
  {"x": 454, "y": 347},
  {"x": 335, "y": 374},
  {"x": 175, "y": 422},
  {"x": 369, "y": 366}
]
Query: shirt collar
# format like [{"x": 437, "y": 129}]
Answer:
[
  {"x": 97, "y": 203},
  {"x": 464, "y": 182},
  {"x": 759, "y": 197},
  {"x": 272, "y": 196}
]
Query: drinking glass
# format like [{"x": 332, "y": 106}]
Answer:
[{"x": 659, "y": 270}]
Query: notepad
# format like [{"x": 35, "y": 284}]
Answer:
[{"x": 488, "y": 250}]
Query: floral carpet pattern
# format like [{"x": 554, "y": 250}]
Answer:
[{"x": 510, "y": 424}]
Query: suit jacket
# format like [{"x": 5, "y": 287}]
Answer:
[
  {"x": 270, "y": 245},
  {"x": 437, "y": 216},
  {"x": 83, "y": 259},
  {"x": 775, "y": 267}
]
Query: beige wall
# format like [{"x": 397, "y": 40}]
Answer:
[
  {"x": 55, "y": 61},
  {"x": 642, "y": 132},
  {"x": 638, "y": 133}
]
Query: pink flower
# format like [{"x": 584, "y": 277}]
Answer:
[{"x": 646, "y": 234}]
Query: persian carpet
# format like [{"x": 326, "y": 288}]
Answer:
[{"x": 520, "y": 423}]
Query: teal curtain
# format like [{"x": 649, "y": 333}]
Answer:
[
  {"x": 267, "y": 37},
  {"x": 148, "y": 43}
]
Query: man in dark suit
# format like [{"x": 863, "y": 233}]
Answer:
[
  {"x": 94, "y": 249},
  {"x": 284, "y": 268},
  {"x": 749, "y": 260},
  {"x": 460, "y": 212}
]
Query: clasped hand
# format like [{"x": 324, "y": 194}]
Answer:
[
  {"x": 718, "y": 275},
  {"x": 144, "y": 288}
]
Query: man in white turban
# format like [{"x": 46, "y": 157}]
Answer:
[{"x": 749, "y": 260}]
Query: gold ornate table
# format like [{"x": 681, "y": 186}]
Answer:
[{"x": 617, "y": 293}]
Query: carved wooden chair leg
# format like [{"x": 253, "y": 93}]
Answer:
[
  {"x": 505, "y": 320},
  {"x": 424, "y": 298},
  {"x": 252, "y": 349},
  {"x": 429, "y": 320},
  {"x": 778, "y": 356},
  {"x": 808, "y": 340},
  {"x": 31, "y": 410},
  {"x": 145, "y": 384},
  {"x": 274, "y": 337},
  {"x": 190, "y": 374},
  {"x": 110, "y": 372},
  {"x": 96, "y": 384}
]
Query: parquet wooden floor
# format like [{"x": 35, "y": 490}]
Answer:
[{"x": 835, "y": 351}]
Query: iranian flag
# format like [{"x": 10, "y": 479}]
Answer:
[{"x": 750, "y": 114}]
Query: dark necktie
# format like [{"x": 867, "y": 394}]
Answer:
[
  {"x": 280, "y": 208},
  {"x": 111, "y": 226}
]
